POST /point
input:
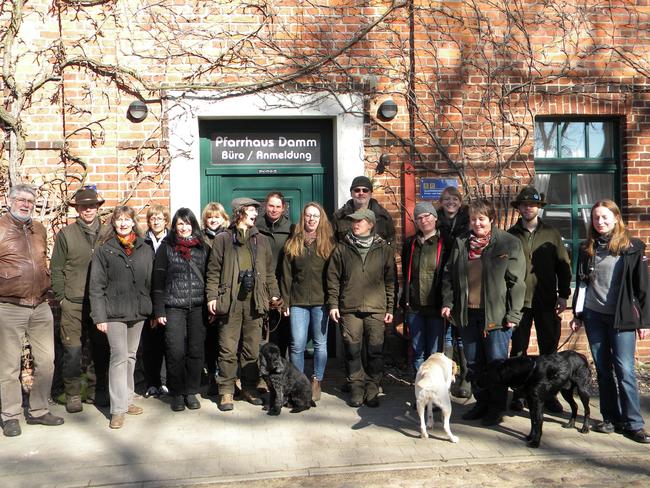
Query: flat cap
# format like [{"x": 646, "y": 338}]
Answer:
[
  {"x": 237, "y": 203},
  {"x": 363, "y": 214}
]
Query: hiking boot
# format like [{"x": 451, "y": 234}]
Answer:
[
  {"x": 553, "y": 405},
  {"x": 477, "y": 412},
  {"x": 117, "y": 421},
  {"x": 315, "y": 389},
  {"x": 11, "y": 428},
  {"x": 73, "y": 404},
  {"x": 134, "y": 410},
  {"x": 492, "y": 418},
  {"x": 639, "y": 435},
  {"x": 251, "y": 397},
  {"x": 606, "y": 427},
  {"x": 225, "y": 402},
  {"x": 192, "y": 402},
  {"x": 178, "y": 403},
  {"x": 152, "y": 391},
  {"x": 356, "y": 398}
]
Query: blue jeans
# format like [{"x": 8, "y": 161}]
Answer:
[
  {"x": 306, "y": 320},
  {"x": 479, "y": 351},
  {"x": 426, "y": 333},
  {"x": 613, "y": 353}
]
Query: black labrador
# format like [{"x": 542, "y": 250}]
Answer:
[
  {"x": 286, "y": 384},
  {"x": 540, "y": 378}
]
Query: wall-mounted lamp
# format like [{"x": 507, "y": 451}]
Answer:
[
  {"x": 137, "y": 111},
  {"x": 387, "y": 110},
  {"x": 382, "y": 164}
]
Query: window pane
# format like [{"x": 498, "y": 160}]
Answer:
[
  {"x": 594, "y": 187},
  {"x": 561, "y": 220},
  {"x": 556, "y": 187},
  {"x": 601, "y": 139},
  {"x": 546, "y": 139},
  {"x": 572, "y": 135}
]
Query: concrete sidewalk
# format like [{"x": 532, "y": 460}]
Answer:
[{"x": 163, "y": 448}]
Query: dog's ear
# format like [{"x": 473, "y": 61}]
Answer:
[
  {"x": 263, "y": 368},
  {"x": 454, "y": 369}
]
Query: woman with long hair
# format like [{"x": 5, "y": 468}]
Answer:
[
  {"x": 611, "y": 301},
  {"x": 303, "y": 288},
  {"x": 119, "y": 291},
  {"x": 178, "y": 299}
]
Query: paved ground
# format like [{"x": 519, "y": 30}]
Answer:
[{"x": 162, "y": 448}]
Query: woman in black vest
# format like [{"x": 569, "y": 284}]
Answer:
[{"x": 178, "y": 294}]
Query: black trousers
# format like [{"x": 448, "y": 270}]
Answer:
[
  {"x": 547, "y": 327},
  {"x": 184, "y": 347}
]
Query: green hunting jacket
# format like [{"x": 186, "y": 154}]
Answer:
[
  {"x": 304, "y": 279},
  {"x": 355, "y": 285},
  {"x": 548, "y": 267},
  {"x": 504, "y": 288}
]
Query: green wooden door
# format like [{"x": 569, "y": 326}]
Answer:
[{"x": 235, "y": 164}]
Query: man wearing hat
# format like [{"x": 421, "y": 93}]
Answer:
[
  {"x": 361, "y": 193},
  {"x": 548, "y": 282},
  {"x": 240, "y": 288},
  {"x": 361, "y": 289},
  {"x": 69, "y": 267},
  {"x": 421, "y": 275}
]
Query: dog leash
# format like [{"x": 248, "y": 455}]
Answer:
[{"x": 565, "y": 341}]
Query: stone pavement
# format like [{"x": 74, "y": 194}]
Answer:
[{"x": 163, "y": 448}]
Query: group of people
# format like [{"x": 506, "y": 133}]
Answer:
[{"x": 207, "y": 295}]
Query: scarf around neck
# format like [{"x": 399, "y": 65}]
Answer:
[
  {"x": 477, "y": 244},
  {"x": 127, "y": 242},
  {"x": 184, "y": 246},
  {"x": 361, "y": 242}
]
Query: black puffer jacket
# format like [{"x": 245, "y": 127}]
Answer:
[{"x": 175, "y": 283}]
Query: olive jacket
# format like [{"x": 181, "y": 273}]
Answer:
[
  {"x": 548, "y": 267},
  {"x": 355, "y": 285},
  {"x": 222, "y": 276},
  {"x": 304, "y": 279},
  {"x": 120, "y": 285},
  {"x": 504, "y": 288}
]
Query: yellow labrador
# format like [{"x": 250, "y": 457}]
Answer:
[{"x": 432, "y": 388}]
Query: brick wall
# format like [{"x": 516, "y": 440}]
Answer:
[{"x": 481, "y": 73}]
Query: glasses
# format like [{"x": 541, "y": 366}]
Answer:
[
  {"x": 312, "y": 216},
  {"x": 425, "y": 216},
  {"x": 157, "y": 219},
  {"x": 361, "y": 190},
  {"x": 124, "y": 220},
  {"x": 23, "y": 201}
]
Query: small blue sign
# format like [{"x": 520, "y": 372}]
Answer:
[{"x": 431, "y": 188}]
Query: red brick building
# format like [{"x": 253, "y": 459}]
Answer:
[{"x": 244, "y": 98}]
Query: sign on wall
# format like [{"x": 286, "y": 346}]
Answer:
[
  {"x": 266, "y": 148},
  {"x": 431, "y": 188}
]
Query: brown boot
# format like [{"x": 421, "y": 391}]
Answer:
[
  {"x": 315, "y": 389},
  {"x": 117, "y": 421},
  {"x": 251, "y": 397},
  {"x": 73, "y": 404},
  {"x": 134, "y": 410},
  {"x": 225, "y": 402}
]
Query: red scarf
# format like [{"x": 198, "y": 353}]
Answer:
[
  {"x": 127, "y": 243},
  {"x": 477, "y": 244},
  {"x": 184, "y": 246}
]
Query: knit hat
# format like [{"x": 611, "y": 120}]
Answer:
[
  {"x": 529, "y": 195},
  {"x": 424, "y": 208},
  {"x": 361, "y": 182},
  {"x": 363, "y": 214}
]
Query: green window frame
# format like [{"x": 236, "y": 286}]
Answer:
[{"x": 577, "y": 162}]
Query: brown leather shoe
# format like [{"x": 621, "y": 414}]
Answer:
[
  {"x": 251, "y": 397},
  {"x": 226, "y": 402},
  {"x": 117, "y": 421},
  {"x": 134, "y": 410},
  {"x": 315, "y": 389}
]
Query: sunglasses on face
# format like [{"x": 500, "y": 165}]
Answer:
[{"x": 361, "y": 190}]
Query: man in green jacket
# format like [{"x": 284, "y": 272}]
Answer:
[
  {"x": 69, "y": 268},
  {"x": 548, "y": 282},
  {"x": 361, "y": 296},
  {"x": 240, "y": 288}
]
